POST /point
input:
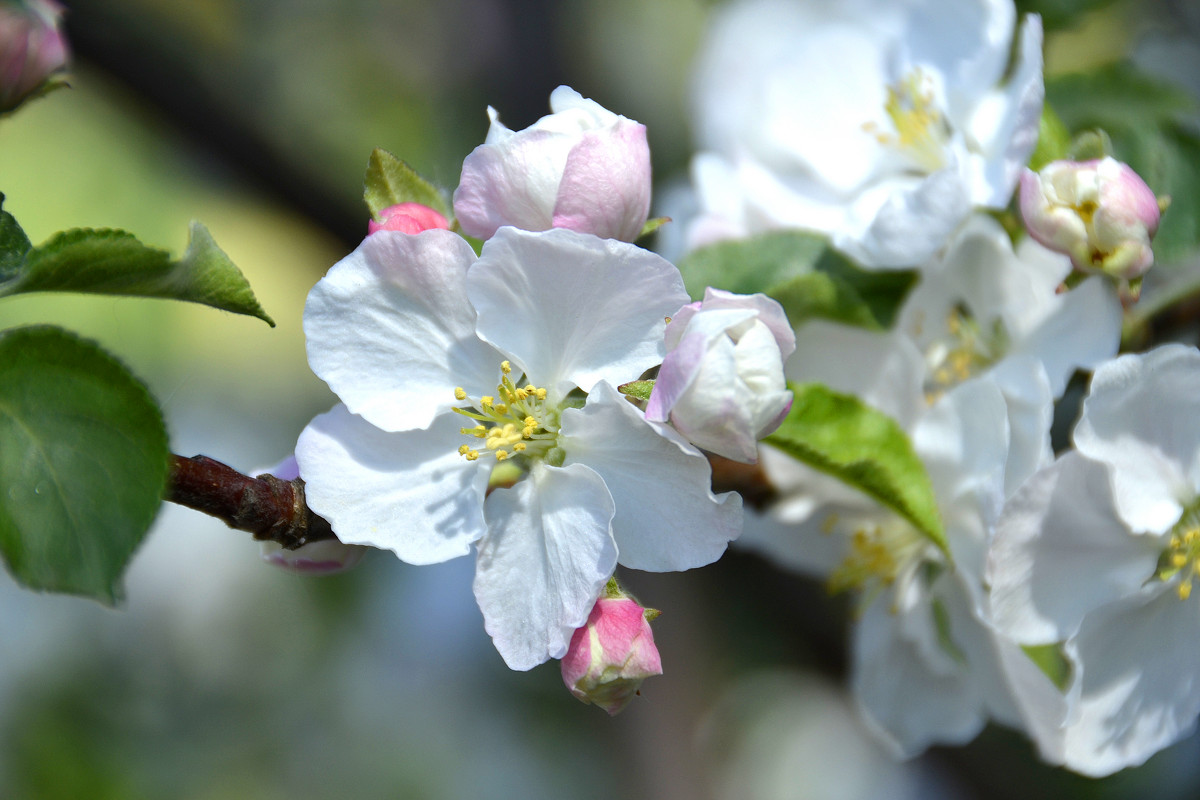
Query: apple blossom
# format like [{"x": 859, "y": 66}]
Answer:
[
  {"x": 1098, "y": 553},
  {"x": 612, "y": 654},
  {"x": 554, "y": 487},
  {"x": 1100, "y": 213},
  {"x": 324, "y": 557},
  {"x": 582, "y": 167},
  {"x": 880, "y": 123},
  {"x": 721, "y": 384},
  {"x": 927, "y": 666},
  {"x": 32, "y": 48},
  {"x": 407, "y": 218}
]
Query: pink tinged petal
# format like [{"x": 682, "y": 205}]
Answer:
[
  {"x": 1137, "y": 661},
  {"x": 1060, "y": 551},
  {"x": 513, "y": 181},
  {"x": 407, "y": 218},
  {"x": 667, "y": 517},
  {"x": 766, "y": 310},
  {"x": 391, "y": 331},
  {"x": 1140, "y": 418},
  {"x": 548, "y": 552},
  {"x": 409, "y": 492},
  {"x": 326, "y": 557},
  {"x": 605, "y": 188},
  {"x": 574, "y": 309},
  {"x": 679, "y": 368}
]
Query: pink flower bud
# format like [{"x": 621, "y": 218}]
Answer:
[
  {"x": 612, "y": 654},
  {"x": 1100, "y": 213},
  {"x": 721, "y": 384},
  {"x": 32, "y": 48},
  {"x": 325, "y": 557},
  {"x": 582, "y": 167},
  {"x": 408, "y": 218}
]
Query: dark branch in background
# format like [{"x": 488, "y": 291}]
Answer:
[{"x": 268, "y": 507}]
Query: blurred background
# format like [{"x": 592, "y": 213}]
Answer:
[{"x": 223, "y": 678}]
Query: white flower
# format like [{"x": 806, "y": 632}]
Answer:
[
  {"x": 721, "y": 384},
  {"x": 927, "y": 667},
  {"x": 880, "y": 123},
  {"x": 1100, "y": 551},
  {"x": 582, "y": 167},
  {"x": 460, "y": 374}
]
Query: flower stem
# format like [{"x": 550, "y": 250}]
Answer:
[{"x": 268, "y": 507}]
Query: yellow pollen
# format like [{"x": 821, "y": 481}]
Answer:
[
  {"x": 921, "y": 133},
  {"x": 514, "y": 421},
  {"x": 463, "y": 449},
  {"x": 501, "y": 408},
  {"x": 471, "y": 455},
  {"x": 501, "y": 455},
  {"x": 487, "y": 400},
  {"x": 519, "y": 447},
  {"x": 1181, "y": 557},
  {"x": 1185, "y": 589},
  {"x": 505, "y": 367},
  {"x": 460, "y": 393}
]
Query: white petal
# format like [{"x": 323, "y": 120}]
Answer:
[
  {"x": 809, "y": 548},
  {"x": 574, "y": 309},
  {"x": 1060, "y": 551},
  {"x": 408, "y": 492},
  {"x": 391, "y": 331},
  {"x": 1138, "y": 660},
  {"x": 899, "y": 223},
  {"x": 667, "y": 516},
  {"x": 967, "y": 41},
  {"x": 548, "y": 552},
  {"x": 911, "y": 704},
  {"x": 1030, "y": 402},
  {"x": 882, "y": 369},
  {"x": 1140, "y": 417}
]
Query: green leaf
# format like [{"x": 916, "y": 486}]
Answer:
[
  {"x": 1053, "y": 139},
  {"x": 840, "y": 435},
  {"x": 1057, "y": 14},
  {"x": 772, "y": 263},
  {"x": 1146, "y": 120},
  {"x": 14, "y": 244},
  {"x": 108, "y": 261},
  {"x": 83, "y": 462},
  {"x": 390, "y": 181}
]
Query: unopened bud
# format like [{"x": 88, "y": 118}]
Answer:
[
  {"x": 612, "y": 654},
  {"x": 407, "y": 218},
  {"x": 1100, "y": 213},
  {"x": 32, "y": 49}
]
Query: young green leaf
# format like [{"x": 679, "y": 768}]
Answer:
[
  {"x": 390, "y": 181},
  {"x": 108, "y": 261},
  {"x": 840, "y": 435},
  {"x": 802, "y": 272},
  {"x": 83, "y": 463},
  {"x": 14, "y": 244}
]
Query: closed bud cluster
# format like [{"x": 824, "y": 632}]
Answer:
[{"x": 407, "y": 218}]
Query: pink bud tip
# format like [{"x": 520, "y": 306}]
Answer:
[{"x": 407, "y": 218}]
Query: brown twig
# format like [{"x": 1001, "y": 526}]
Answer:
[{"x": 270, "y": 508}]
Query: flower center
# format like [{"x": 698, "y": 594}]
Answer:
[
  {"x": 881, "y": 555},
  {"x": 516, "y": 421},
  {"x": 921, "y": 132},
  {"x": 1182, "y": 554},
  {"x": 966, "y": 349}
]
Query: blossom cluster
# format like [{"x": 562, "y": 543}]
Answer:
[
  {"x": 1058, "y": 603},
  {"x": 552, "y": 401}
]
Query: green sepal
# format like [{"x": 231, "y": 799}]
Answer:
[
  {"x": 109, "y": 261},
  {"x": 1053, "y": 139},
  {"x": 864, "y": 448},
  {"x": 1090, "y": 145},
  {"x": 779, "y": 264},
  {"x": 83, "y": 463},
  {"x": 653, "y": 224},
  {"x": 638, "y": 390},
  {"x": 390, "y": 181},
  {"x": 1060, "y": 14}
]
